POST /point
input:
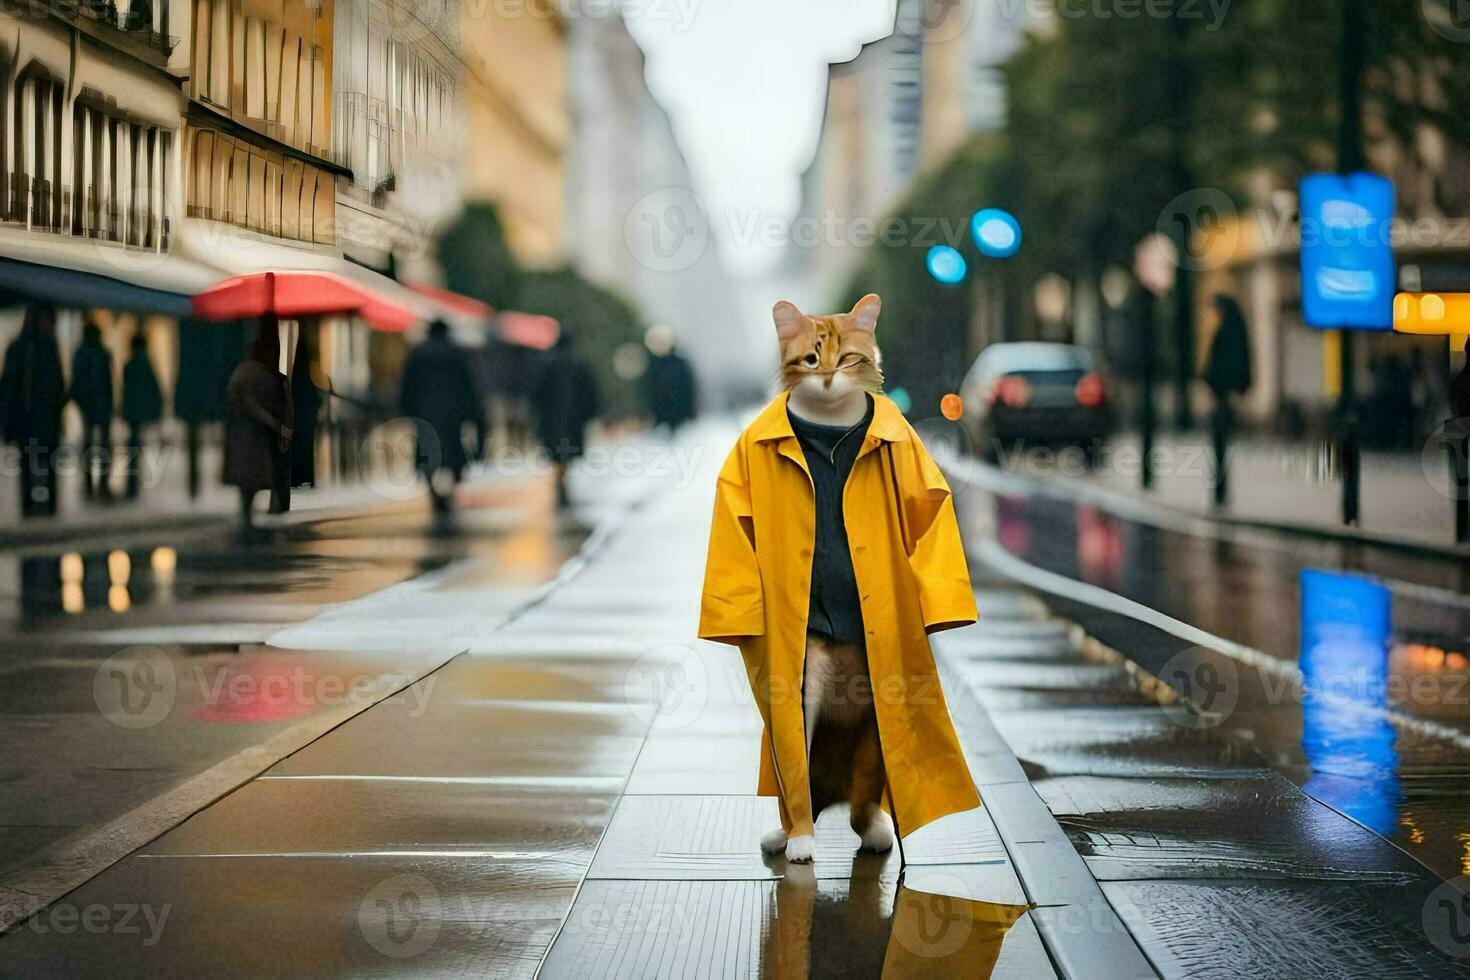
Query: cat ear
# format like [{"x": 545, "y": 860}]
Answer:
[
  {"x": 865, "y": 314},
  {"x": 788, "y": 319}
]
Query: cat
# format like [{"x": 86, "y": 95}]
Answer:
[{"x": 830, "y": 364}]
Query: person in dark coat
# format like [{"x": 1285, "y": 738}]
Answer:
[
  {"x": 142, "y": 403},
  {"x": 440, "y": 396},
  {"x": 565, "y": 401},
  {"x": 668, "y": 381},
  {"x": 257, "y": 434},
  {"x": 32, "y": 393},
  {"x": 91, "y": 389},
  {"x": 1228, "y": 373},
  {"x": 306, "y": 405}
]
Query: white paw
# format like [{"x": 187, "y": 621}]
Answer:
[
  {"x": 799, "y": 849},
  {"x": 774, "y": 842},
  {"x": 879, "y": 835}
]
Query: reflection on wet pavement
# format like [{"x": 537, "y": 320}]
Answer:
[
  {"x": 114, "y": 718},
  {"x": 1398, "y": 779},
  {"x": 1218, "y": 865}
]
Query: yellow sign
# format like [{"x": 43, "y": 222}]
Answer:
[{"x": 1434, "y": 315}]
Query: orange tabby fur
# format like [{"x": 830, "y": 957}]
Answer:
[{"x": 845, "y": 759}]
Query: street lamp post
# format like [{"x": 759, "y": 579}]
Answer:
[{"x": 1349, "y": 160}]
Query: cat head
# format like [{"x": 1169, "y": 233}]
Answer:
[{"x": 829, "y": 357}]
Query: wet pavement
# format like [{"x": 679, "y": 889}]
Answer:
[
  {"x": 566, "y": 786},
  {"x": 138, "y": 684}
]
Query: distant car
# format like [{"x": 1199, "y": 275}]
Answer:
[{"x": 1036, "y": 393}]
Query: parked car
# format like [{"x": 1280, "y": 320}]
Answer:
[{"x": 1036, "y": 393}]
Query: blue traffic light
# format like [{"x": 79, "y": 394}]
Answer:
[
  {"x": 946, "y": 264},
  {"x": 997, "y": 233}
]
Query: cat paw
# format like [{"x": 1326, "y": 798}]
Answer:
[
  {"x": 774, "y": 842},
  {"x": 799, "y": 849},
  {"x": 879, "y": 835}
]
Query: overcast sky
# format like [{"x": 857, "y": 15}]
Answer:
[{"x": 745, "y": 83}]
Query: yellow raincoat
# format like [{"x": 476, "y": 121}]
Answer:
[{"x": 912, "y": 580}]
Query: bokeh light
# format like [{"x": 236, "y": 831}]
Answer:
[{"x": 946, "y": 265}]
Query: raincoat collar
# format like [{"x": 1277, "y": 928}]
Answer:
[{"x": 773, "y": 423}]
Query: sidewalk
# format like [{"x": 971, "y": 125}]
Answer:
[
  {"x": 574, "y": 796},
  {"x": 1275, "y": 485},
  {"x": 577, "y": 789}
]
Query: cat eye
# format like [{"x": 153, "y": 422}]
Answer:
[
  {"x": 851, "y": 360},
  {"x": 811, "y": 361}
]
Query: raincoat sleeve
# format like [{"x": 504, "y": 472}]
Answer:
[
  {"x": 733, "y": 606},
  {"x": 936, "y": 552}
]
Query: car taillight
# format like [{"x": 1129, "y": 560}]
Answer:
[
  {"x": 1013, "y": 392},
  {"x": 1090, "y": 391}
]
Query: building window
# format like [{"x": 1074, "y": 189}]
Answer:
[
  {"x": 259, "y": 63},
  {"x": 100, "y": 175},
  {"x": 238, "y": 182}
]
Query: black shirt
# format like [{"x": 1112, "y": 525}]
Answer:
[{"x": 831, "y": 451}]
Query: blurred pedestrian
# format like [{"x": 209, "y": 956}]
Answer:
[
  {"x": 306, "y": 405},
  {"x": 668, "y": 381},
  {"x": 1457, "y": 432},
  {"x": 142, "y": 403},
  {"x": 566, "y": 401},
  {"x": 257, "y": 434},
  {"x": 32, "y": 393},
  {"x": 1228, "y": 373},
  {"x": 440, "y": 396},
  {"x": 91, "y": 389}
]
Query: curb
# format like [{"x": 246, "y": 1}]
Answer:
[
  {"x": 1157, "y": 513},
  {"x": 1056, "y": 879}
]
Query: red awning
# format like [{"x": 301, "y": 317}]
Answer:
[
  {"x": 528, "y": 329},
  {"x": 454, "y": 302},
  {"x": 297, "y": 294}
]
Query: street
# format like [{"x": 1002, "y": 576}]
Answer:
[{"x": 513, "y": 776}]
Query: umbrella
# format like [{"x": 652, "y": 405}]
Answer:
[{"x": 296, "y": 294}]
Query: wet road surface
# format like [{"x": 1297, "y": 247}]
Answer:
[
  {"x": 135, "y": 680},
  {"x": 1184, "y": 811},
  {"x": 573, "y": 793}
]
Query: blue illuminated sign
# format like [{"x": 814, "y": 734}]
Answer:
[{"x": 1347, "y": 253}]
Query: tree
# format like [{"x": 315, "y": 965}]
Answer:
[{"x": 476, "y": 258}]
